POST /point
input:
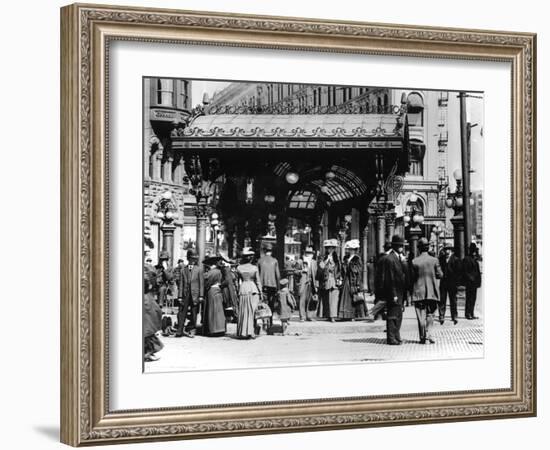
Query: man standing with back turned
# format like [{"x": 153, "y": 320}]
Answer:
[{"x": 425, "y": 296}]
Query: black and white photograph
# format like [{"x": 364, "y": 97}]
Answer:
[{"x": 289, "y": 224}]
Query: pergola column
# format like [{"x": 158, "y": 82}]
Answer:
[
  {"x": 380, "y": 232},
  {"x": 365, "y": 253},
  {"x": 390, "y": 224},
  {"x": 202, "y": 218}
]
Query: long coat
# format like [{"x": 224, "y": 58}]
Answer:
[
  {"x": 214, "y": 314},
  {"x": 352, "y": 270},
  {"x": 269, "y": 271},
  {"x": 191, "y": 283},
  {"x": 425, "y": 273},
  {"x": 471, "y": 272},
  {"x": 391, "y": 278},
  {"x": 452, "y": 270}
]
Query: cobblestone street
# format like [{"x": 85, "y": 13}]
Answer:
[{"x": 322, "y": 342}]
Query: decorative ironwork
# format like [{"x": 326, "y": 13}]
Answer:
[
  {"x": 297, "y": 132},
  {"x": 201, "y": 188},
  {"x": 393, "y": 185},
  {"x": 290, "y": 108}
]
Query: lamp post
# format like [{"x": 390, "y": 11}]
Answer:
[
  {"x": 166, "y": 212},
  {"x": 414, "y": 218},
  {"x": 202, "y": 190}
]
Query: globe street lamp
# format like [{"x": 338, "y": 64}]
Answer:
[
  {"x": 455, "y": 201},
  {"x": 413, "y": 218}
]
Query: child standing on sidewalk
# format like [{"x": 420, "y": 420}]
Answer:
[{"x": 287, "y": 303}]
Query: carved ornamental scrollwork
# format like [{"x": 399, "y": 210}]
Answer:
[{"x": 204, "y": 21}]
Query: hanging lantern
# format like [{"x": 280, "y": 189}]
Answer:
[
  {"x": 292, "y": 177},
  {"x": 249, "y": 191}
]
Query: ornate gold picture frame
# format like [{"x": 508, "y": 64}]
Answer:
[{"x": 86, "y": 34}]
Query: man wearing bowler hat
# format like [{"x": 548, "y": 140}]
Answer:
[
  {"x": 425, "y": 295},
  {"x": 190, "y": 294},
  {"x": 391, "y": 285},
  {"x": 452, "y": 273}
]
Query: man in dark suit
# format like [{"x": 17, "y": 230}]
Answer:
[
  {"x": 190, "y": 294},
  {"x": 425, "y": 295},
  {"x": 452, "y": 270},
  {"x": 268, "y": 267},
  {"x": 472, "y": 280},
  {"x": 391, "y": 284}
]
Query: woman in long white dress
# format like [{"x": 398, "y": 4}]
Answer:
[{"x": 249, "y": 295}]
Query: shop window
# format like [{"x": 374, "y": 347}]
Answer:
[
  {"x": 165, "y": 92},
  {"x": 183, "y": 94}
]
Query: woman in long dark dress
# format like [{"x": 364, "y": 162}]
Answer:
[
  {"x": 214, "y": 315},
  {"x": 229, "y": 289},
  {"x": 352, "y": 306}
]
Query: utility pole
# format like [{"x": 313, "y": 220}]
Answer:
[{"x": 464, "y": 144}]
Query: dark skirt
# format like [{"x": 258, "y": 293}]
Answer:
[
  {"x": 152, "y": 322},
  {"x": 152, "y": 344},
  {"x": 152, "y": 315},
  {"x": 214, "y": 314},
  {"x": 346, "y": 309}
]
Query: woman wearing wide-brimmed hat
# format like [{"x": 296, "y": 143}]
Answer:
[
  {"x": 213, "y": 323},
  {"x": 330, "y": 281},
  {"x": 249, "y": 295}
]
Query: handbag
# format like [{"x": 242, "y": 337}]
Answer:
[
  {"x": 263, "y": 311},
  {"x": 358, "y": 298},
  {"x": 313, "y": 303}
]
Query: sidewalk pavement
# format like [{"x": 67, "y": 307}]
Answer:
[{"x": 322, "y": 342}]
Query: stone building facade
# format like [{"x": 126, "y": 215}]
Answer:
[{"x": 166, "y": 104}]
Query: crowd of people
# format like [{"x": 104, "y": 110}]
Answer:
[{"x": 320, "y": 286}]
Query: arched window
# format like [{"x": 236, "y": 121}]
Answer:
[{"x": 415, "y": 109}]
